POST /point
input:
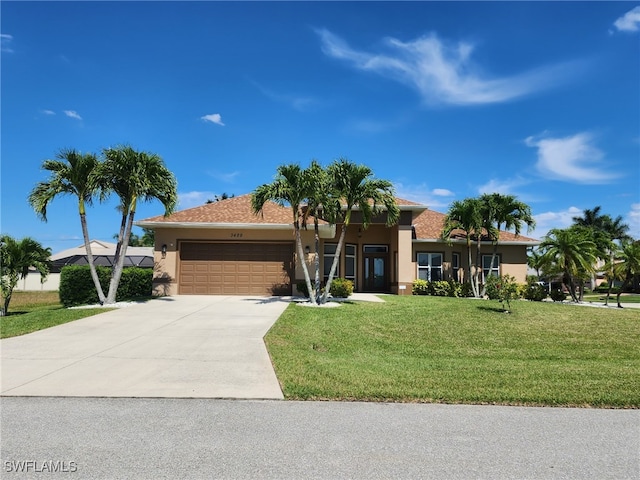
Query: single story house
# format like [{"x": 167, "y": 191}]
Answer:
[
  {"x": 103, "y": 254},
  {"x": 224, "y": 248}
]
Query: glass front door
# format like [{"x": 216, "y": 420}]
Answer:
[{"x": 375, "y": 273}]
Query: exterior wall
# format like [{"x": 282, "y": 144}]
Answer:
[
  {"x": 406, "y": 272},
  {"x": 513, "y": 258},
  {"x": 32, "y": 283}
]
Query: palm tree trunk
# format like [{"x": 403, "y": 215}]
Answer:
[
  {"x": 121, "y": 249},
  {"x": 305, "y": 270},
  {"x": 334, "y": 265},
  {"x": 625, "y": 284},
  {"x": 474, "y": 290},
  {"x": 316, "y": 231},
  {"x": 92, "y": 267}
]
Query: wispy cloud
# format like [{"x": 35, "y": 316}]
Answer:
[
  {"x": 558, "y": 219},
  {"x": 72, "y": 114},
  {"x": 571, "y": 159},
  {"x": 194, "y": 199},
  {"x": 228, "y": 177},
  {"x": 633, "y": 220},
  {"x": 48, "y": 112},
  {"x": 443, "y": 72},
  {"x": 5, "y": 42},
  {"x": 629, "y": 22},
  {"x": 301, "y": 103},
  {"x": 435, "y": 198},
  {"x": 213, "y": 118}
]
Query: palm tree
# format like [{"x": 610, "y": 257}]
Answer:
[
  {"x": 504, "y": 211},
  {"x": 628, "y": 266},
  {"x": 465, "y": 215},
  {"x": 72, "y": 173},
  {"x": 16, "y": 257},
  {"x": 573, "y": 253},
  {"x": 353, "y": 187},
  {"x": 134, "y": 177},
  {"x": 291, "y": 186}
]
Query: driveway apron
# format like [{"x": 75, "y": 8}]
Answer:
[{"x": 180, "y": 347}]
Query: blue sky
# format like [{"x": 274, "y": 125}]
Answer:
[{"x": 447, "y": 100}]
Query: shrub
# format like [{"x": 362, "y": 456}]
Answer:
[
  {"x": 302, "y": 288},
  {"x": 557, "y": 295},
  {"x": 535, "y": 292},
  {"x": 439, "y": 288},
  {"x": 503, "y": 288},
  {"x": 467, "y": 291},
  {"x": 341, "y": 288},
  {"x": 455, "y": 289},
  {"x": 420, "y": 287},
  {"x": 77, "y": 288}
]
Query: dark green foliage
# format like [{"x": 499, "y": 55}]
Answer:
[
  {"x": 558, "y": 295},
  {"x": 76, "y": 286},
  {"x": 341, "y": 288},
  {"x": 503, "y": 288},
  {"x": 535, "y": 292},
  {"x": 441, "y": 288},
  {"x": 302, "y": 288}
]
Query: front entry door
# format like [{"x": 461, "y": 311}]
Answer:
[{"x": 375, "y": 273}]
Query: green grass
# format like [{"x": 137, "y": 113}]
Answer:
[
  {"x": 600, "y": 297},
  {"x": 432, "y": 349},
  {"x": 33, "y": 311}
]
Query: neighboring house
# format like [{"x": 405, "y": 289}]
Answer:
[
  {"x": 223, "y": 248},
  {"x": 103, "y": 254}
]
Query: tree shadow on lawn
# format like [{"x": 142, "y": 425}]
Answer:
[{"x": 492, "y": 309}]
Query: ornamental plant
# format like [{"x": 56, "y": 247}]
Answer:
[{"x": 503, "y": 288}]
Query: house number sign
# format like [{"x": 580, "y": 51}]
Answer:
[{"x": 236, "y": 235}]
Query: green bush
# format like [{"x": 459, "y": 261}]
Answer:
[
  {"x": 420, "y": 287},
  {"x": 503, "y": 288},
  {"x": 302, "y": 288},
  {"x": 558, "y": 295},
  {"x": 341, "y": 288},
  {"x": 535, "y": 292},
  {"x": 455, "y": 289},
  {"x": 467, "y": 291},
  {"x": 77, "y": 288},
  {"x": 439, "y": 288}
]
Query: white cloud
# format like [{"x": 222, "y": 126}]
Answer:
[
  {"x": 433, "y": 198},
  {"x": 633, "y": 220},
  {"x": 213, "y": 118},
  {"x": 443, "y": 73},
  {"x": 548, "y": 220},
  {"x": 224, "y": 177},
  {"x": 505, "y": 187},
  {"x": 48, "y": 112},
  {"x": 72, "y": 114},
  {"x": 5, "y": 41},
  {"x": 571, "y": 159},
  {"x": 194, "y": 199},
  {"x": 297, "y": 102},
  {"x": 630, "y": 21}
]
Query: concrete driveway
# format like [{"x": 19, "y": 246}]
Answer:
[{"x": 181, "y": 347}]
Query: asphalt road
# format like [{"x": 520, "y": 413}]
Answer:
[{"x": 122, "y": 438}]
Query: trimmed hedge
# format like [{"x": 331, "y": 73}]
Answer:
[
  {"x": 341, "y": 288},
  {"x": 441, "y": 288},
  {"x": 76, "y": 285}
]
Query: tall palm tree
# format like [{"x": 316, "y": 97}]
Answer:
[
  {"x": 504, "y": 211},
  {"x": 466, "y": 215},
  {"x": 134, "y": 177},
  {"x": 291, "y": 186},
  {"x": 72, "y": 173},
  {"x": 573, "y": 253},
  {"x": 353, "y": 186},
  {"x": 16, "y": 257},
  {"x": 628, "y": 266}
]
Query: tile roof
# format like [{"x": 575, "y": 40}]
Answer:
[
  {"x": 232, "y": 210},
  {"x": 429, "y": 224}
]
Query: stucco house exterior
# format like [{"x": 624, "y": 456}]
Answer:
[{"x": 224, "y": 248}]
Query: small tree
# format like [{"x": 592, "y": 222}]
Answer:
[
  {"x": 628, "y": 265},
  {"x": 503, "y": 288},
  {"x": 16, "y": 257}
]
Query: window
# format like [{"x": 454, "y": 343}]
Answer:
[
  {"x": 350, "y": 263},
  {"x": 375, "y": 249},
  {"x": 328, "y": 256},
  {"x": 430, "y": 266},
  {"x": 455, "y": 267},
  {"x": 487, "y": 268}
]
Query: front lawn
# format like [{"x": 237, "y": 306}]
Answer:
[
  {"x": 600, "y": 298},
  {"x": 32, "y": 311},
  {"x": 434, "y": 349}
]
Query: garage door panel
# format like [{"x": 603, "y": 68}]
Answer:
[{"x": 235, "y": 269}]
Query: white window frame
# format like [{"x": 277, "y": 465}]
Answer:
[
  {"x": 455, "y": 266},
  {"x": 325, "y": 257},
  {"x": 429, "y": 267},
  {"x": 494, "y": 269}
]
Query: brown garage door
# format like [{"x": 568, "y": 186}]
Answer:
[{"x": 235, "y": 268}]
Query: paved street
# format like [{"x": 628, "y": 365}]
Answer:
[{"x": 118, "y": 438}]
